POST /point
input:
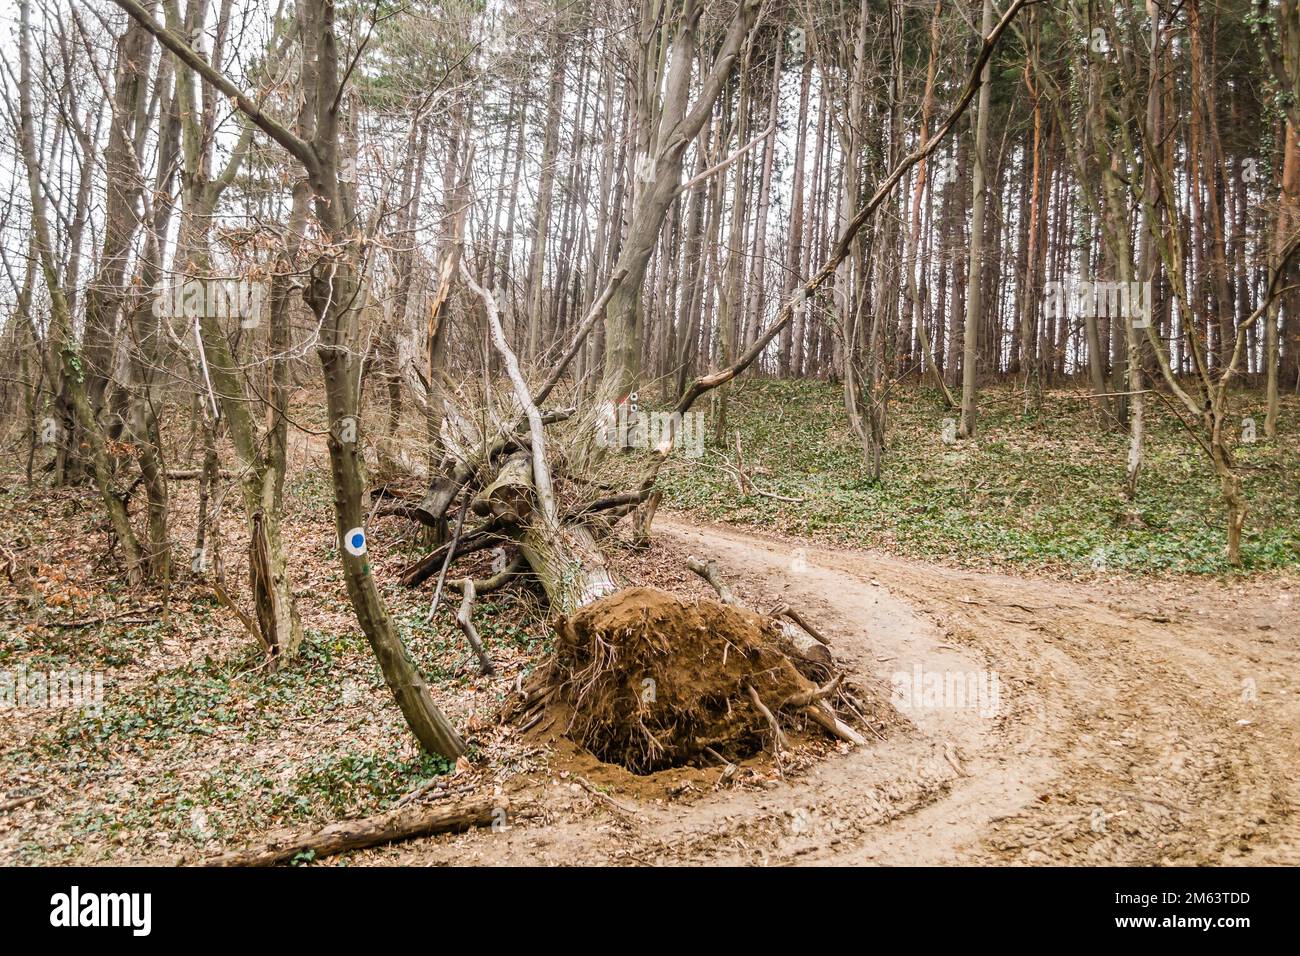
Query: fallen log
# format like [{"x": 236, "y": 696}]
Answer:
[
  {"x": 426, "y": 567},
  {"x": 17, "y": 802},
  {"x": 404, "y": 823},
  {"x": 629, "y": 499},
  {"x": 568, "y": 563},
  {"x": 432, "y": 508},
  {"x": 509, "y": 497}
]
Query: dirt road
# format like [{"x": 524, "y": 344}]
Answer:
[{"x": 1114, "y": 722}]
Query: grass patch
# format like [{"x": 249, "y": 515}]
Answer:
[{"x": 1039, "y": 486}]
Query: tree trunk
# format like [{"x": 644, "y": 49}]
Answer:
[{"x": 975, "y": 277}]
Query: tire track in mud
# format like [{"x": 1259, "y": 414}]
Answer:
[
  {"x": 1117, "y": 737},
  {"x": 1127, "y": 727}
]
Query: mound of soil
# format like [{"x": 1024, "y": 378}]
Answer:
[{"x": 649, "y": 681}]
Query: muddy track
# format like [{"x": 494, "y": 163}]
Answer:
[{"x": 1134, "y": 724}]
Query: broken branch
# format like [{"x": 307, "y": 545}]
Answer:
[{"x": 399, "y": 824}]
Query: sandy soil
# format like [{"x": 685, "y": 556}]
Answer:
[{"x": 1134, "y": 723}]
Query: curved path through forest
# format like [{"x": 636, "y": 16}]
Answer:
[{"x": 1135, "y": 723}]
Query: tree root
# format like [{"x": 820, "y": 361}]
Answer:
[{"x": 778, "y": 735}]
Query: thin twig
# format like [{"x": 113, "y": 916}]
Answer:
[{"x": 446, "y": 562}]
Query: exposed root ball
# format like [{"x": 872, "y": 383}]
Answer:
[{"x": 650, "y": 681}]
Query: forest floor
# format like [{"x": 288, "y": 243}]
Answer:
[
  {"x": 1134, "y": 712},
  {"x": 1040, "y": 488}
]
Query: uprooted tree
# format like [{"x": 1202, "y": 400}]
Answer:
[{"x": 551, "y": 485}]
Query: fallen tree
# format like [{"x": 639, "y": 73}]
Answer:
[
  {"x": 512, "y": 482},
  {"x": 401, "y": 823},
  {"x": 751, "y": 673}
]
